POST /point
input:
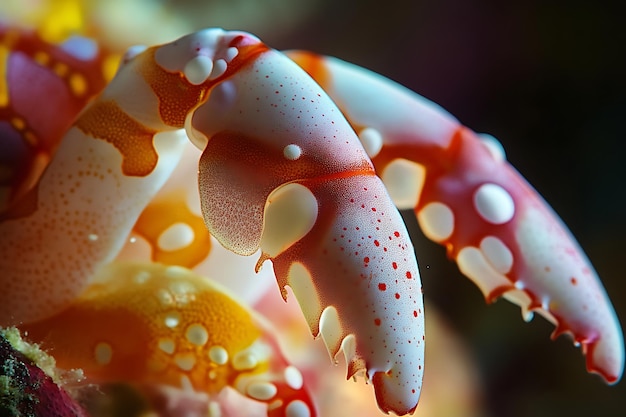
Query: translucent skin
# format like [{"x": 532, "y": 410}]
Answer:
[{"x": 285, "y": 173}]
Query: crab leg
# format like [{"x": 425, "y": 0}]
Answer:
[
  {"x": 156, "y": 324},
  {"x": 467, "y": 197}
]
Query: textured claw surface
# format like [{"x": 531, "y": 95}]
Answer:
[
  {"x": 273, "y": 133},
  {"x": 501, "y": 233}
]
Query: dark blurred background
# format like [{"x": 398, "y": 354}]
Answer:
[{"x": 548, "y": 80}]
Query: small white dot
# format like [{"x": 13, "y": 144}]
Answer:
[
  {"x": 494, "y": 204},
  {"x": 292, "y": 152},
  {"x": 185, "y": 362},
  {"x": 261, "y": 390},
  {"x": 196, "y": 334},
  {"x": 172, "y": 319},
  {"x": 198, "y": 69},
  {"x": 218, "y": 355},
  {"x": 437, "y": 221},
  {"x": 372, "y": 141},
  {"x": 244, "y": 361},
  {"x": 497, "y": 253},
  {"x": 297, "y": 408},
  {"x": 231, "y": 53},
  {"x": 219, "y": 68},
  {"x": 293, "y": 377},
  {"x": 92, "y": 237},
  {"x": 167, "y": 345},
  {"x": 103, "y": 353},
  {"x": 177, "y": 236}
]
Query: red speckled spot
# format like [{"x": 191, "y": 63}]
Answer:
[
  {"x": 397, "y": 296},
  {"x": 396, "y": 234},
  {"x": 409, "y": 275},
  {"x": 382, "y": 286},
  {"x": 394, "y": 265},
  {"x": 574, "y": 281},
  {"x": 377, "y": 322}
]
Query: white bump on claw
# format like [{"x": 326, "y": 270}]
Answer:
[
  {"x": 497, "y": 253},
  {"x": 231, "y": 53},
  {"x": 103, "y": 353},
  {"x": 473, "y": 265},
  {"x": 261, "y": 390},
  {"x": 197, "y": 335},
  {"x": 219, "y": 68},
  {"x": 437, "y": 221},
  {"x": 494, "y": 146},
  {"x": 297, "y": 408},
  {"x": 198, "y": 69},
  {"x": 218, "y": 355},
  {"x": 290, "y": 213},
  {"x": 185, "y": 361},
  {"x": 292, "y": 152},
  {"x": 293, "y": 377},
  {"x": 372, "y": 141},
  {"x": 404, "y": 180},
  {"x": 494, "y": 204},
  {"x": 172, "y": 319},
  {"x": 244, "y": 361},
  {"x": 177, "y": 236},
  {"x": 167, "y": 345}
]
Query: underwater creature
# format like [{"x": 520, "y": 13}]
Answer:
[{"x": 303, "y": 161}]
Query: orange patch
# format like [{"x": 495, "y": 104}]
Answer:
[{"x": 107, "y": 121}]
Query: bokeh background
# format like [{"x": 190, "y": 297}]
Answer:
[{"x": 546, "y": 78}]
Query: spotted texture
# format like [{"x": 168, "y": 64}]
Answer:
[{"x": 158, "y": 324}]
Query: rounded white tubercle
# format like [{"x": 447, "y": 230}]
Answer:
[
  {"x": 437, "y": 221},
  {"x": 497, "y": 253},
  {"x": 198, "y": 69},
  {"x": 493, "y": 145},
  {"x": 231, "y": 53},
  {"x": 219, "y": 68},
  {"x": 372, "y": 141},
  {"x": 290, "y": 213},
  {"x": 494, "y": 204},
  {"x": 292, "y": 152},
  {"x": 404, "y": 180}
]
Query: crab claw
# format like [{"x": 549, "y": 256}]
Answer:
[
  {"x": 283, "y": 171},
  {"x": 467, "y": 197},
  {"x": 186, "y": 332}
]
